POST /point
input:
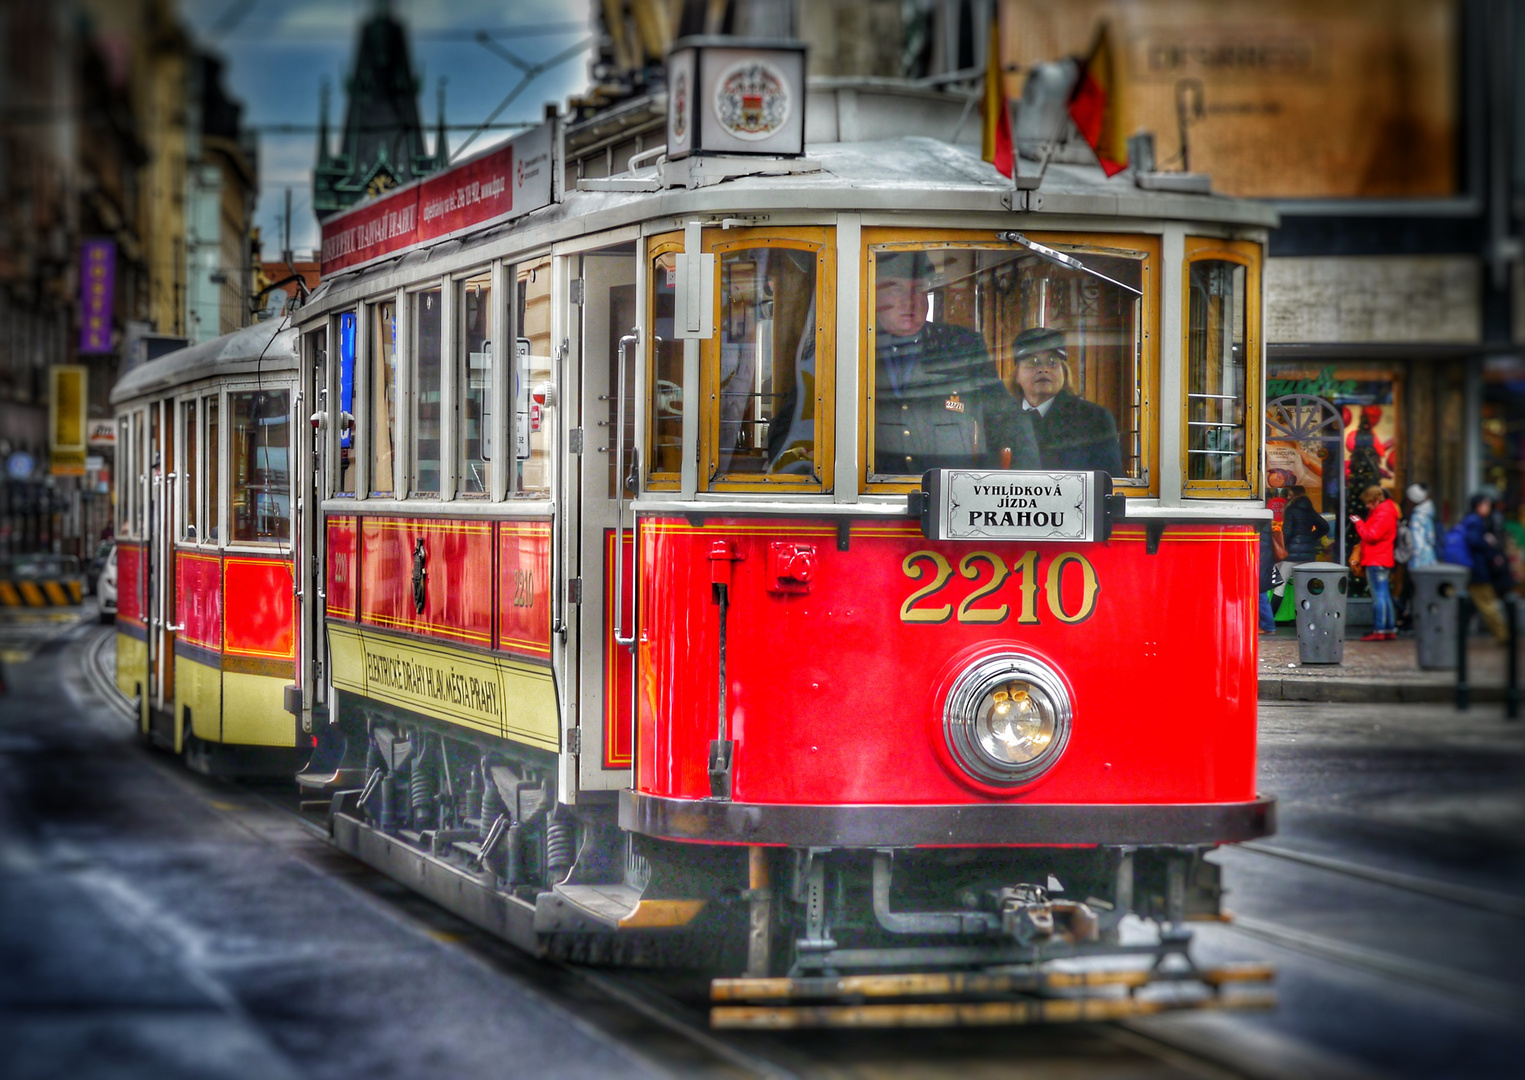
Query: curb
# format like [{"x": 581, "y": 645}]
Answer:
[{"x": 1369, "y": 690}]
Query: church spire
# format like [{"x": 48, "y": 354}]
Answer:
[{"x": 323, "y": 144}]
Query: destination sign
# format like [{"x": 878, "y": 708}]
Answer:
[{"x": 967, "y": 504}]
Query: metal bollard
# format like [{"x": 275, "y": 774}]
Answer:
[
  {"x": 1463, "y": 621},
  {"x": 1512, "y": 663}
]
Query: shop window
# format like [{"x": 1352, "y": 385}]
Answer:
[
  {"x": 762, "y": 362},
  {"x": 261, "y": 479},
  {"x": 1219, "y": 355},
  {"x": 190, "y": 479},
  {"x": 1007, "y": 356},
  {"x": 532, "y": 371},
  {"x": 383, "y": 397},
  {"x": 214, "y": 469},
  {"x": 667, "y": 393},
  {"x": 474, "y": 428},
  {"x": 345, "y": 481}
]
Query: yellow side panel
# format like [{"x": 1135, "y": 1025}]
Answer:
[
  {"x": 200, "y": 688},
  {"x": 491, "y": 694},
  {"x": 254, "y": 711},
  {"x": 131, "y": 665}
]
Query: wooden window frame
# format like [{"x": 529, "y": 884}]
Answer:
[
  {"x": 1078, "y": 243},
  {"x": 670, "y": 243},
  {"x": 820, "y": 239},
  {"x": 1249, "y": 255}
]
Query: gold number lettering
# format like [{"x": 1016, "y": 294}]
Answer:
[
  {"x": 967, "y": 612},
  {"x": 1027, "y": 570},
  {"x": 1089, "y": 587},
  {"x": 909, "y": 612}
]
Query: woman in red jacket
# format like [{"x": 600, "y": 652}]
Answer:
[{"x": 1378, "y": 531}]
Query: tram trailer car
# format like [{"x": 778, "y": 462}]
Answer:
[
  {"x": 640, "y": 626},
  {"x": 206, "y": 617}
]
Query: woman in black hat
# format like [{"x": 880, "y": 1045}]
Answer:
[{"x": 1073, "y": 433}]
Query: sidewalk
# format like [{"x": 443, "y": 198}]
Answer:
[{"x": 1376, "y": 671}]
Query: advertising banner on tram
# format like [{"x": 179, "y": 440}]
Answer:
[{"x": 495, "y": 186}]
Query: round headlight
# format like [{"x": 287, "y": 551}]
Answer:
[{"x": 1007, "y": 719}]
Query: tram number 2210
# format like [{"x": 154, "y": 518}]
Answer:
[{"x": 919, "y": 565}]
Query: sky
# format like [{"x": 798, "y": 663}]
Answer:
[{"x": 278, "y": 52}]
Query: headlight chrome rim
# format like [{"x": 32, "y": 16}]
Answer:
[{"x": 961, "y": 717}]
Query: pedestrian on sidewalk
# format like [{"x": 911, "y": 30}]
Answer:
[
  {"x": 1302, "y": 527},
  {"x": 1486, "y": 559},
  {"x": 1267, "y": 564},
  {"x": 1377, "y": 532},
  {"x": 1424, "y": 535}
]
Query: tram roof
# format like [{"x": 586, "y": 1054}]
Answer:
[
  {"x": 909, "y": 174},
  {"x": 267, "y": 346}
]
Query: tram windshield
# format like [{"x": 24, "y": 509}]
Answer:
[{"x": 986, "y": 357}]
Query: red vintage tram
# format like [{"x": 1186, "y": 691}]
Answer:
[
  {"x": 636, "y": 616},
  {"x": 206, "y": 620}
]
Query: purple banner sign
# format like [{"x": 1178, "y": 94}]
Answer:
[{"x": 97, "y": 288}]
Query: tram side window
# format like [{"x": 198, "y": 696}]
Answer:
[
  {"x": 214, "y": 469},
  {"x": 261, "y": 474},
  {"x": 767, "y": 364},
  {"x": 666, "y": 369},
  {"x": 532, "y": 369},
  {"x": 190, "y": 530},
  {"x": 984, "y": 355},
  {"x": 347, "y": 471},
  {"x": 124, "y": 485},
  {"x": 474, "y": 429},
  {"x": 383, "y": 396},
  {"x": 139, "y": 475},
  {"x": 424, "y": 477},
  {"x": 1217, "y": 371}
]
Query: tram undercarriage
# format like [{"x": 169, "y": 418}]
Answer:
[{"x": 808, "y": 936}]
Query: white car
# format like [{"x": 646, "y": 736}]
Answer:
[{"x": 105, "y": 588}]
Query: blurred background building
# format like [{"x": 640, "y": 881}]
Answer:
[{"x": 126, "y": 193}]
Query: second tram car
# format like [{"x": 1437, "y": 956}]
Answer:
[
  {"x": 829, "y": 560},
  {"x": 206, "y": 616}
]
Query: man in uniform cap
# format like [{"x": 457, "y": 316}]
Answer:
[
  {"x": 938, "y": 401},
  {"x": 1073, "y": 433}
]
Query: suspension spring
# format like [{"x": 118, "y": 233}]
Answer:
[
  {"x": 420, "y": 791},
  {"x": 560, "y": 846},
  {"x": 492, "y": 802}
]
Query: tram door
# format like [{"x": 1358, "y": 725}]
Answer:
[
  {"x": 310, "y": 484},
  {"x": 605, "y": 668},
  {"x": 161, "y": 554}
]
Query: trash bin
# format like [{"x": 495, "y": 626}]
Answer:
[
  {"x": 1320, "y": 590},
  {"x": 1437, "y": 592}
]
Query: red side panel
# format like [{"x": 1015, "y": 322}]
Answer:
[
  {"x": 343, "y": 569},
  {"x": 457, "y": 577},
  {"x": 198, "y": 599},
  {"x": 617, "y": 659},
  {"x": 524, "y": 590},
  {"x": 129, "y": 583},
  {"x": 835, "y": 691},
  {"x": 260, "y": 617}
]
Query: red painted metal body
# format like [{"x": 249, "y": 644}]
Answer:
[
  {"x": 198, "y": 595},
  {"x": 486, "y": 584},
  {"x": 129, "y": 576},
  {"x": 835, "y": 692},
  {"x": 259, "y": 618}
]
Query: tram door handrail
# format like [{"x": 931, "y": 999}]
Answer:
[{"x": 620, "y": 636}]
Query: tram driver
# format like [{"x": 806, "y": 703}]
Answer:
[
  {"x": 939, "y": 402},
  {"x": 1072, "y": 433}
]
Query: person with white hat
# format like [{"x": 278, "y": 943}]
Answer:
[{"x": 1423, "y": 538}]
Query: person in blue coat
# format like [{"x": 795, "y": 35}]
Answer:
[
  {"x": 1073, "y": 433},
  {"x": 1302, "y": 527}
]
